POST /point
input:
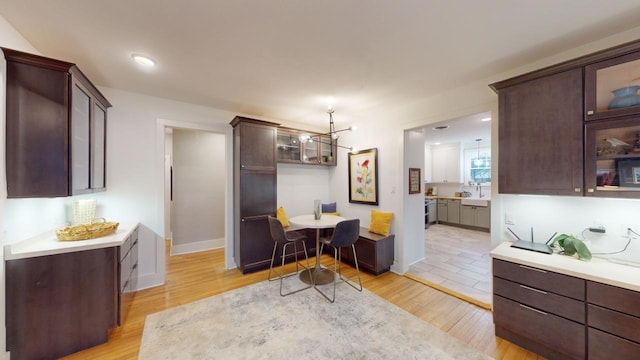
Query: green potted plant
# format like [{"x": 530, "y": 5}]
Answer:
[{"x": 571, "y": 245}]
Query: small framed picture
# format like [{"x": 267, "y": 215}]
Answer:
[
  {"x": 414, "y": 180},
  {"x": 628, "y": 171}
]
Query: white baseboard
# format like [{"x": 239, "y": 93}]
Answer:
[
  {"x": 196, "y": 246},
  {"x": 149, "y": 281}
]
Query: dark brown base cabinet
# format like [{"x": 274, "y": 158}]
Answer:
[
  {"x": 564, "y": 317},
  {"x": 59, "y": 304},
  {"x": 613, "y": 316},
  {"x": 375, "y": 252},
  {"x": 539, "y": 310},
  {"x": 128, "y": 274}
]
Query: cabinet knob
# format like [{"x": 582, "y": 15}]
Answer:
[
  {"x": 242, "y": 166},
  {"x": 242, "y": 220}
]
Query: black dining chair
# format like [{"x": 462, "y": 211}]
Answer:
[
  {"x": 345, "y": 234},
  {"x": 280, "y": 237}
]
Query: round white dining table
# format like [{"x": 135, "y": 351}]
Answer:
[{"x": 317, "y": 275}]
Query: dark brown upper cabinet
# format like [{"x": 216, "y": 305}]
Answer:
[
  {"x": 612, "y": 157},
  {"x": 573, "y": 128},
  {"x": 55, "y": 128},
  {"x": 316, "y": 149},
  {"x": 540, "y": 136},
  {"x": 611, "y": 87}
]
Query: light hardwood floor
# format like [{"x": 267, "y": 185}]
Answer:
[
  {"x": 195, "y": 276},
  {"x": 457, "y": 261}
]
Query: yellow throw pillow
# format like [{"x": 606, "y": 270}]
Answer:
[
  {"x": 282, "y": 216},
  {"x": 380, "y": 222},
  {"x": 331, "y": 213}
]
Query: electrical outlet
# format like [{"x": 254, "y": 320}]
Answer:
[
  {"x": 508, "y": 219},
  {"x": 624, "y": 229}
]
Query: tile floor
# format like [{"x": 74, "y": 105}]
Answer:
[{"x": 457, "y": 259}]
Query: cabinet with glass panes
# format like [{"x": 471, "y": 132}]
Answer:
[
  {"x": 288, "y": 146},
  {"x": 612, "y": 85},
  {"x": 304, "y": 147},
  {"x": 612, "y": 157}
]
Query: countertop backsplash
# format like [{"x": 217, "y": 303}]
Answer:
[{"x": 449, "y": 189}]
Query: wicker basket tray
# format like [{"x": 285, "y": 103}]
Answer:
[{"x": 97, "y": 228}]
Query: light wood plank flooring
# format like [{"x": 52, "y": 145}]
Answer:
[
  {"x": 195, "y": 276},
  {"x": 456, "y": 261}
]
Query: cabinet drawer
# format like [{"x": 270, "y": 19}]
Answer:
[
  {"x": 614, "y": 322},
  {"x": 540, "y": 279},
  {"x": 613, "y": 297},
  {"x": 606, "y": 346},
  {"x": 125, "y": 272},
  {"x": 540, "y": 327},
  {"x": 125, "y": 247},
  {"x": 539, "y": 299}
]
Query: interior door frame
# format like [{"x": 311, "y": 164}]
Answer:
[{"x": 221, "y": 127}]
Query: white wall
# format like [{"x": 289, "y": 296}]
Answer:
[
  {"x": 135, "y": 165},
  {"x": 300, "y": 185},
  {"x": 387, "y": 137},
  {"x": 199, "y": 181},
  {"x": 9, "y": 38},
  {"x": 412, "y": 249}
]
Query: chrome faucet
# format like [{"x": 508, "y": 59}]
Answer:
[{"x": 479, "y": 189}]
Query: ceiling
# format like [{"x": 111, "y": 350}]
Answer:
[{"x": 288, "y": 60}]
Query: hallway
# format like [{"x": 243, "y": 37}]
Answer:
[{"x": 457, "y": 262}]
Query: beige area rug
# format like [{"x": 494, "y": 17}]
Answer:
[{"x": 255, "y": 322}]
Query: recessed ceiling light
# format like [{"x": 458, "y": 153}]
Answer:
[
  {"x": 143, "y": 60},
  {"x": 486, "y": 119}
]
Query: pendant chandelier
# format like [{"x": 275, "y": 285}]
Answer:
[
  {"x": 332, "y": 134},
  {"x": 478, "y": 160}
]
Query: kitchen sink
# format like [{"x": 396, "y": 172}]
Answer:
[{"x": 475, "y": 202}]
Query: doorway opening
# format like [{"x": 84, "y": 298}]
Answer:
[
  {"x": 186, "y": 208},
  {"x": 196, "y": 190},
  {"x": 457, "y": 229}
]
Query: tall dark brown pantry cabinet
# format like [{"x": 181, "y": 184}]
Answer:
[
  {"x": 56, "y": 128},
  {"x": 254, "y": 191}
]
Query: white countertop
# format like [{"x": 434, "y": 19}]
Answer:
[
  {"x": 599, "y": 270},
  {"x": 48, "y": 244}
]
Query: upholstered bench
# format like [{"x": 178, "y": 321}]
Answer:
[{"x": 375, "y": 252}]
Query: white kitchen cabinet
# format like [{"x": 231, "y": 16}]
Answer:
[
  {"x": 445, "y": 163},
  {"x": 479, "y": 216},
  {"x": 449, "y": 211},
  {"x": 453, "y": 211},
  {"x": 442, "y": 210}
]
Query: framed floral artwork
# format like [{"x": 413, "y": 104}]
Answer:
[{"x": 363, "y": 177}]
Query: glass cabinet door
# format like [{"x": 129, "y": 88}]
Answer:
[
  {"x": 611, "y": 87},
  {"x": 98, "y": 137},
  {"x": 288, "y": 146},
  {"x": 310, "y": 151},
  {"x": 328, "y": 150},
  {"x": 80, "y": 132},
  {"x": 612, "y": 158}
]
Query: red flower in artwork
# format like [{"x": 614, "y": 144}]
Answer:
[
  {"x": 366, "y": 164},
  {"x": 358, "y": 179}
]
